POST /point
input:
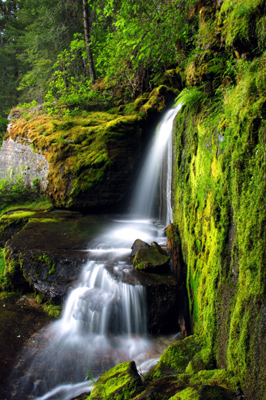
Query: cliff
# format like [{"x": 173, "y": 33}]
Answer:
[{"x": 220, "y": 187}]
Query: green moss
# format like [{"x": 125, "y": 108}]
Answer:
[
  {"x": 119, "y": 383},
  {"x": 19, "y": 214},
  {"x": 150, "y": 259},
  {"x": 219, "y": 210},
  {"x": 219, "y": 377},
  {"x": 46, "y": 260},
  {"x": 13, "y": 221},
  {"x": 2, "y": 262},
  {"x": 237, "y": 17},
  {"x": 186, "y": 394},
  {"x": 175, "y": 359},
  {"x": 12, "y": 272},
  {"x": 52, "y": 310}
]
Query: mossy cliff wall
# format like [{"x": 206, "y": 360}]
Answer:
[{"x": 220, "y": 189}]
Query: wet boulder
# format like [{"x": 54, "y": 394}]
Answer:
[
  {"x": 138, "y": 245},
  {"x": 175, "y": 359},
  {"x": 159, "y": 248},
  {"x": 121, "y": 382},
  {"x": 151, "y": 259}
]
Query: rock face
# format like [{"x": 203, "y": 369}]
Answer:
[
  {"x": 162, "y": 294},
  {"x": 180, "y": 271},
  {"x": 47, "y": 252},
  {"x": 18, "y": 157},
  {"x": 82, "y": 163}
]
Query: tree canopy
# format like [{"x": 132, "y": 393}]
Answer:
[{"x": 54, "y": 50}]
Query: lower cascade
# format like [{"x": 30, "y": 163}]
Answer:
[{"x": 104, "y": 321}]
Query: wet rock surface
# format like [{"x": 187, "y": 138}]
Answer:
[
  {"x": 151, "y": 260},
  {"x": 137, "y": 245},
  {"x": 19, "y": 319},
  {"x": 162, "y": 296},
  {"x": 49, "y": 251}
]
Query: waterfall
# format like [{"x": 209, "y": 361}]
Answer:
[
  {"x": 165, "y": 191},
  {"x": 104, "y": 318},
  {"x": 145, "y": 193}
]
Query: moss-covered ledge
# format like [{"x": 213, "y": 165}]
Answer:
[
  {"x": 46, "y": 250},
  {"x": 92, "y": 157}
]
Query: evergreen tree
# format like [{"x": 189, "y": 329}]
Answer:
[{"x": 11, "y": 28}]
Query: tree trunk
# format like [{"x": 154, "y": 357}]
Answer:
[{"x": 87, "y": 41}]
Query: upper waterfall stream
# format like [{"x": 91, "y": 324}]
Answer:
[{"x": 104, "y": 320}]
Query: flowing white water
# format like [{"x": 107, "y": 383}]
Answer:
[
  {"x": 169, "y": 211},
  {"x": 147, "y": 184},
  {"x": 104, "y": 319}
]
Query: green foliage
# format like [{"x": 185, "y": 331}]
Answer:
[
  {"x": 131, "y": 43},
  {"x": 14, "y": 190},
  {"x": 238, "y": 18},
  {"x": 27, "y": 106},
  {"x": 193, "y": 98},
  {"x": 68, "y": 85},
  {"x": 3, "y": 125},
  {"x": 143, "y": 41}
]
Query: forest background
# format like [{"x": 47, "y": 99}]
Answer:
[{"x": 56, "y": 50}]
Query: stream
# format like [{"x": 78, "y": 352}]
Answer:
[{"x": 104, "y": 319}]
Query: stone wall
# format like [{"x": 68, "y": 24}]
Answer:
[{"x": 18, "y": 157}]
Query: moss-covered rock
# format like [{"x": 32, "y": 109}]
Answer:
[
  {"x": 206, "y": 392},
  {"x": 119, "y": 383},
  {"x": 162, "y": 388},
  {"x": 35, "y": 259},
  {"x": 175, "y": 359},
  {"x": 137, "y": 245},
  {"x": 150, "y": 259},
  {"x": 86, "y": 161}
]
